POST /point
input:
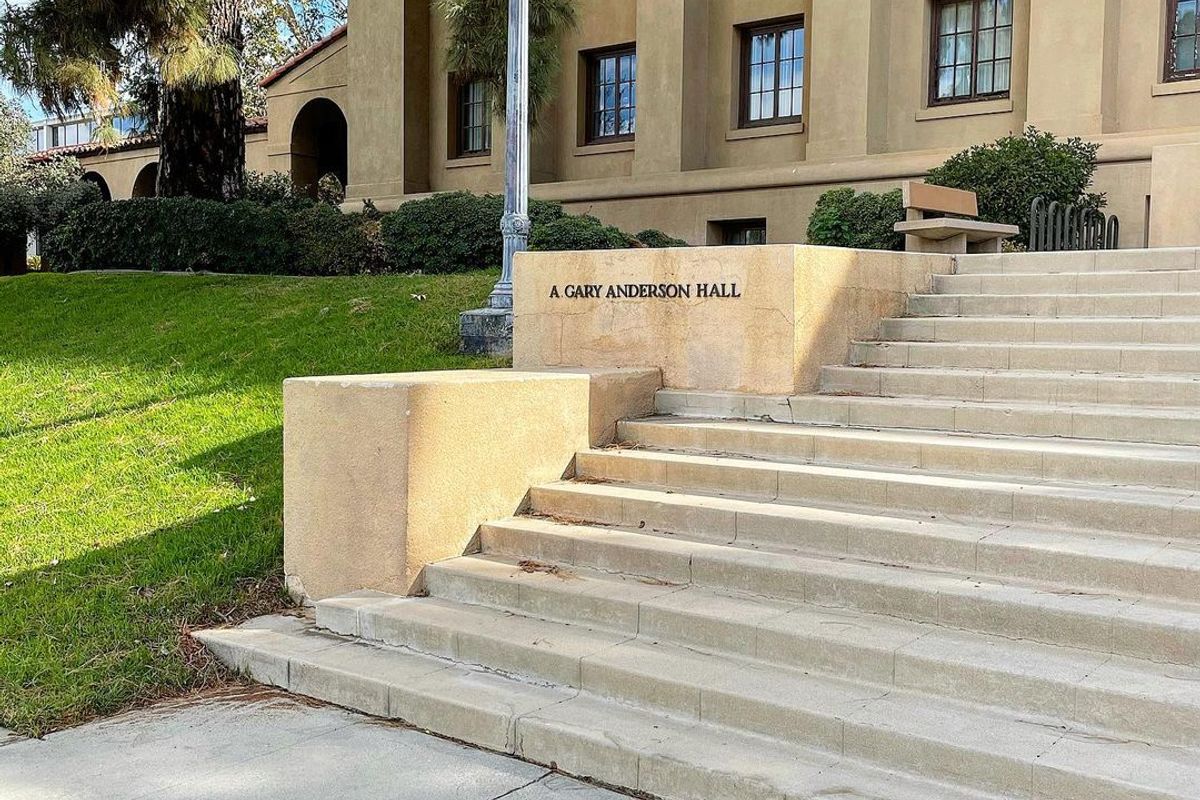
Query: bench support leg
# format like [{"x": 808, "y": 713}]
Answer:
[
  {"x": 955, "y": 245},
  {"x": 986, "y": 246}
]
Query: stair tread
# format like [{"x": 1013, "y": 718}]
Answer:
[
  {"x": 1160, "y": 412},
  {"x": 1135, "y": 346},
  {"x": 1154, "y": 378},
  {"x": 1148, "y": 496},
  {"x": 651, "y": 586},
  {"x": 650, "y": 747},
  {"x": 721, "y": 683},
  {"x": 1065, "y": 665},
  {"x": 1136, "y": 548},
  {"x": 1082, "y": 447}
]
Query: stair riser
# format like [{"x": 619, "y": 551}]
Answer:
[
  {"x": 1166, "y": 518},
  {"x": 1133, "y": 361},
  {"x": 1067, "y": 331},
  {"x": 1051, "y": 306},
  {"x": 964, "y": 456},
  {"x": 991, "y": 552},
  {"x": 1166, "y": 282},
  {"x": 780, "y": 644},
  {"x": 1085, "y": 261},
  {"x": 1003, "y": 387},
  {"x": 978, "y": 418}
]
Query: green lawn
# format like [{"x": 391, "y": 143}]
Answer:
[{"x": 140, "y": 461}]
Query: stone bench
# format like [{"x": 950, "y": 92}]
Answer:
[{"x": 947, "y": 234}]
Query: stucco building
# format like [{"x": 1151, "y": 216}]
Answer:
[{"x": 724, "y": 120}]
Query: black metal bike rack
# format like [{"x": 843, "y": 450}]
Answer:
[{"x": 1058, "y": 226}]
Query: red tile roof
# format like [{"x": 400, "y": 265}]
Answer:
[
  {"x": 253, "y": 125},
  {"x": 298, "y": 59}
]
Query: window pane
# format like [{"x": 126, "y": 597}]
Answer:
[
  {"x": 965, "y": 13},
  {"x": 947, "y": 24},
  {"x": 797, "y": 101},
  {"x": 755, "y": 79},
  {"x": 945, "y": 51},
  {"x": 1185, "y": 16},
  {"x": 785, "y": 45},
  {"x": 785, "y": 104},
  {"x": 1004, "y": 12},
  {"x": 798, "y": 42},
  {"x": 987, "y": 14},
  {"x": 983, "y": 78},
  {"x": 1004, "y": 43},
  {"x": 986, "y": 40},
  {"x": 962, "y": 81},
  {"x": 1185, "y": 53},
  {"x": 945, "y": 83},
  {"x": 962, "y": 50},
  {"x": 626, "y": 123},
  {"x": 769, "y": 75},
  {"x": 1000, "y": 76},
  {"x": 785, "y": 75}
]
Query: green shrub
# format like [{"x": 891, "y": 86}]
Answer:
[
  {"x": 273, "y": 188},
  {"x": 863, "y": 220},
  {"x": 578, "y": 233},
  {"x": 453, "y": 232},
  {"x": 652, "y": 237},
  {"x": 1009, "y": 173},
  {"x": 333, "y": 243},
  {"x": 16, "y": 212}
]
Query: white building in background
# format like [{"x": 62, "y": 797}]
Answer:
[{"x": 53, "y": 132}]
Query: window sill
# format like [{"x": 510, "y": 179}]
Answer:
[
  {"x": 763, "y": 131},
  {"x": 956, "y": 110},
  {"x": 469, "y": 161},
  {"x": 1169, "y": 88},
  {"x": 601, "y": 148}
]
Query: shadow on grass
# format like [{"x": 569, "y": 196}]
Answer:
[
  {"x": 107, "y": 630},
  {"x": 102, "y": 414}
]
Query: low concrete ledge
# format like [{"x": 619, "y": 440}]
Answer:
[{"x": 385, "y": 474}]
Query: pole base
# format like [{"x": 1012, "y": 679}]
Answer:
[{"x": 486, "y": 331}]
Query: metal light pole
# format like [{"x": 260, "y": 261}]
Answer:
[{"x": 515, "y": 222}]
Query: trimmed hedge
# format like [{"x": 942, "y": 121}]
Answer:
[
  {"x": 453, "y": 232},
  {"x": 864, "y": 220}
]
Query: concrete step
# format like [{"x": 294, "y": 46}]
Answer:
[
  {"x": 895, "y": 729},
  {"x": 1055, "y": 305},
  {"x": 1130, "y": 359},
  {"x": 1108, "y": 463},
  {"x": 1170, "y": 513},
  {"x": 1073, "y": 330},
  {"x": 1128, "y": 565},
  {"x": 1107, "y": 423},
  {"x": 828, "y": 660},
  {"x": 1146, "y": 629},
  {"x": 576, "y": 732},
  {"x": 1149, "y": 260},
  {"x": 1009, "y": 385},
  {"x": 1123, "y": 282}
]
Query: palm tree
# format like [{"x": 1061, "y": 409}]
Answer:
[
  {"x": 478, "y": 48},
  {"x": 73, "y": 54}
]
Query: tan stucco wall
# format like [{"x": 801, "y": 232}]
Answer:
[
  {"x": 1091, "y": 68},
  {"x": 783, "y": 311},
  {"x": 1174, "y": 214}
]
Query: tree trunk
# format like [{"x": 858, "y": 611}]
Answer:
[{"x": 202, "y": 139}]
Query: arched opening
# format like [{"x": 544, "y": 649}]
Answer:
[
  {"x": 101, "y": 184},
  {"x": 146, "y": 183},
  {"x": 318, "y": 145}
]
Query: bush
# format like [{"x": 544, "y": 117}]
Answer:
[
  {"x": 174, "y": 234},
  {"x": 273, "y": 188},
  {"x": 578, "y": 233},
  {"x": 1009, "y": 173},
  {"x": 864, "y": 220},
  {"x": 453, "y": 232},
  {"x": 656, "y": 238},
  {"x": 333, "y": 243}
]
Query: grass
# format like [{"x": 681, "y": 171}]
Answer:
[{"x": 140, "y": 461}]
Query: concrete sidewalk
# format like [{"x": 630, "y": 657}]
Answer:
[{"x": 255, "y": 744}]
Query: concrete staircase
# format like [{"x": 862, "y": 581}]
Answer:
[{"x": 970, "y": 568}]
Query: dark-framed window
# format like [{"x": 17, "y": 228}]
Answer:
[
  {"x": 472, "y": 119},
  {"x": 611, "y": 94},
  {"x": 772, "y": 90},
  {"x": 1183, "y": 41},
  {"x": 971, "y": 50},
  {"x": 743, "y": 231}
]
